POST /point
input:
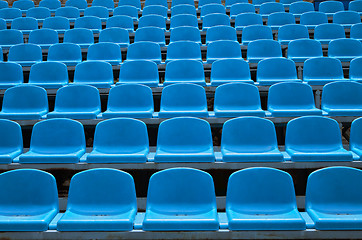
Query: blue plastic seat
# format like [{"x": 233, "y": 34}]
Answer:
[
  {"x": 89, "y": 22},
  {"x": 240, "y": 8},
  {"x": 25, "y": 54},
  {"x": 355, "y": 143},
  {"x": 255, "y": 32},
  {"x": 129, "y": 73},
  {"x": 121, "y": 21},
  {"x": 291, "y": 99},
  {"x": 11, "y": 142},
  {"x": 205, "y": 2},
  {"x": 237, "y": 99},
  {"x": 2, "y": 24},
  {"x": 312, "y": 19},
  {"x": 276, "y": 20},
  {"x": 60, "y": 24},
  {"x": 355, "y": 69},
  {"x": 23, "y": 5},
  {"x": 55, "y": 141},
  {"x": 212, "y": 8},
  {"x": 181, "y": 199},
  {"x": 247, "y": 19},
  {"x": 184, "y": 71},
  {"x": 77, "y": 102},
  {"x": 80, "y": 4},
  {"x": 257, "y": 3},
  {"x": 322, "y": 70},
  {"x": 24, "y": 24},
  {"x": 185, "y": 34},
  {"x": 355, "y": 6},
  {"x": 331, "y": 7},
  {"x": 80, "y": 36},
  {"x": 182, "y": 2},
  {"x": 21, "y": 211},
  {"x": 133, "y": 3},
  {"x": 262, "y": 49},
  {"x": 24, "y": 102},
  {"x": 49, "y": 75},
  {"x": 97, "y": 11},
  {"x": 108, "y": 52},
  {"x": 215, "y": 19},
  {"x": 230, "y": 3},
  {"x": 94, "y": 73},
  {"x": 356, "y": 31},
  {"x": 115, "y": 35},
  {"x": 182, "y": 50},
  {"x": 183, "y": 99},
  {"x": 71, "y": 13},
  {"x": 109, "y": 4},
  {"x": 4, "y": 4},
  {"x": 345, "y": 49},
  {"x": 68, "y": 53},
  {"x": 270, "y": 7},
  {"x": 274, "y": 70},
  {"x": 183, "y": 9},
  {"x": 262, "y": 199},
  {"x": 223, "y": 49},
  {"x": 152, "y": 21},
  {"x": 156, "y": 10},
  {"x": 229, "y": 71},
  {"x": 150, "y": 34},
  {"x": 300, "y": 7},
  {"x": 328, "y": 31},
  {"x": 52, "y": 5},
  {"x": 43, "y": 37},
  {"x": 291, "y": 32},
  {"x": 184, "y": 20},
  {"x": 101, "y": 199},
  {"x": 9, "y": 14},
  {"x": 39, "y": 13},
  {"x": 129, "y": 100},
  {"x": 342, "y": 98},
  {"x": 127, "y": 10},
  {"x": 346, "y": 18},
  {"x": 315, "y": 138},
  {"x": 301, "y": 49},
  {"x": 144, "y": 51},
  {"x": 11, "y": 74},
  {"x": 220, "y": 33},
  {"x": 156, "y": 3},
  {"x": 335, "y": 204},
  {"x": 120, "y": 140}
]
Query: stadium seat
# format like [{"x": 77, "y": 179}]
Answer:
[
  {"x": 126, "y": 10},
  {"x": 156, "y": 3},
  {"x": 262, "y": 198},
  {"x": 21, "y": 211},
  {"x": 24, "y": 102},
  {"x": 342, "y": 98},
  {"x": 133, "y": 3},
  {"x": 68, "y": 53},
  {"x": 215, "y": 19},
  {"x": 355, "y": 6},
  {"x": 94, "y": 73},
  {"x": 100, "y": 200},
  {"x": 291, "y": 99},
  {"x": 183, "y": 9},
  {"x": 43, "y": 37},
  {"x": 98, "y": 11},
  {"x": 80, "y": 36},
  {"x": 313, "y": 19},
  {"x": 155, "y": 10},
  {"x": 327, "y": 32},
  {"x": 356, "y": 31},
  {"x": 331, "y": 7},
  {"x": 345, "y": 49},
  {"x": 49, "y": 75},
  {"x": 108, "y": 52},
  {"x": 355, "y": 143},
  {"x": 115, "y": 35},
  {"x": 80, "y": 4},
  {"x": 182, "y": 2},
  {"x": 2, "y": 24},
  {"x": 185, "y": 34},
  {"x": 184, "y": 20},
  {"x": 301, "y": 49},
  {"x": 69, "y": 12},
  {"x": 257, "y": 3},
  {"x": 205, "y": 2},
  {"x": 181, "y": 199},
  {"x": 60, "y": 24},
  {"x": 109, "y": 4},
  {"x": 11, "y": 74},
  {"x": 230, "y": 3},
  {"x": 182, "y": 50},
  {"x": 322, "y": 70},
  {"x": 183, "y": 99},
  {"x": 247, "y": 19},
  {"x": 129, "y": 73},
  {"x": 52, "y": 5},
  {"x": 315, "y": 139},
  {"x": 262, "y": 49},
  {"x": 291, "y": 32},
  {"x": 120, "y": 140},
  {"x": 300, "y": 7},
  {"x": 229, "y": 71},
  {"x": 120, "y": 21},
  {"x": 223, "y": 49},
  {"x": 8, "y": 14},
  {"x": 240, "y": 8},
  {"x": 184, "y": 71},
  {"x": 346, "y": 18},
  {"x": 129, "y": 100},
  {"x": 255, "y": 32},
  {"x": 11, "y": 141},
  {"x": 220, "y": 33},
  {"x": 144, "y": 51},
  {"x": 25, "y": 54},
  {"x": 212, "y": 8},
  {"x": 39, "y": 13},
  {"x": 76, "y": 102},
  {"x": 274, "y": 70},
  {"x": 55, "y": 141},
  {"x": 276, "y": 20},
  {"x": 150, "y": 34},
  {"x": 237, "y": 99},
  {"x": 270, "y": 7},
  {"x": 23, "y": 5},
  {"x": 89, "y": 22},
  {"x": 355, "y": 70},
  {"x": 4, "y": 4},
  {"x": 152, "y": 21},
  {"x": 333, "y": 198},
  {"x": 24, "y": 24}
]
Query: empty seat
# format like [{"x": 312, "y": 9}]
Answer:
[
  {"x": 346, "y": 18},
  {"x": 152, "y": 21},
  {"x": 109, "y": 4},
  {"x": 270, "y": 7},
  {"x": 133, "y": 3},
  {"x": 182, "y": 2},
  {"x": 97, "y": 11},
  {"x": 185, "y": 34},
  {"x": 356, "y": 31},
  {"x": 342, "y": 98},
  {"x": 322, "y": 70},
  {"x": 60, "y": 24},
  {"x": 345, "y": 49},
  {"x": 11, "y": 74},
  {"x": 156, "y": 3},
  {"x": 355, "y": 6},
  {"x": 237, "y": 99},
  {"x": 291, "y": 32},
  {"x": 331, "y": 7},
  {"x": 335, "y": 204},
  {"x": 315, "y": 138},
  {"x": 4, "y": 4},
  {"x": 52, "y": 5},
  {"x": 313, "y": 19},
  {"x": 181, "y": 199},
  {"x": 39, "y": 13},
  {"x": 355, "y": 69},
  {"x": 115, "y": 35},
  {"x": 11, "y": 142},
  {"x": 276, "y": 20},
  {"x": 291, "y": 99},
  {"x": 129, "y": 100},
  {"x": 274, "y": 193},
  {"x": 183, "y": 99},
  {"x": 43, "y": 37},
  {"x": 80, "y": 4},
  {"x": 23, "y": 5},
  {"x": 328, "y": 31},
  {"x": 21, "y": 211},
  {"x": 301, "y": 49},
  {"x": 95, "y": 73},
  {"x": 24, "y": 102},
  {"x": 156, "y": 10},
  {"x": 126, "y": 10},
  {"x": 108, "y": 52},
  {"x": 215, "y": 19},
  {"x": 230, "y": 70},
  {"x": 9, "y": 14},
  {"x": 121, "y": 21},
  {"x": 256, "y": 32},
  {"x": 182, "y": 50},
  {"x": 71, "y": 13},
  {"x": 240, "y": 8},
  {"x": 184, "y": 71},
  {"x": 184, "y": 20},
  {"x": 49, "y": 75},
  {"x": 80, "y": 36},
  {"x": 120, "y": 140},
  {"x": 230, "y": 3},
  {"x": 144, "y": 51},
  {"x": 223, "y": 49},
  {"x": 262, "y": 49},
  {"x": 25, "y": 54},
  {"x": 205, "y": 2},
  {"x": 220, "y": 33},
  {"x": 55, "y": 141},
  {"x": 300, "y": 7},
  {"x": 2, "y": 24},
  {"x": 89, "y": 22},
  {"x": 212, "y": 8},
  {"x": 247, "y": 19},
  {"x": 274, "y": 70},
  {"x": 183, "y": 9},
  {"x": 76, "y": 102},
  {"x": 355, "y": 143},
  {"x": 24, "y": 24},
  {"x": 150, "y": 34},
  {"x": 129, "y": 73},
  {"x": 68, "y": 53}
]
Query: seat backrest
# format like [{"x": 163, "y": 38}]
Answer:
[
  {"x": 10, "y": 13},
  {"x": 150, "y": 34},
  {"x": 355, "y": 6},
  {"x": 220, "y": 33},
  {"x": 152, "y": 21},
  {"x": 129, "y": 71},
  {"x": 183, "y": 20},
  {"x": 43, "y": 36},
  {"x": 355, "y": 69},
  {"x": 346, "y": 17},
  {"x": 345, "y": 47},
  {"x": 240, "y": 8},
  {"x": 12, "y": 138},
  {"x": 276, "y": 68},
  {"x": 355, "y": 139},
  {"x": 79, "y": 35},
  {"x": 323, "y": 68},
  {"x": 56, "y": 23},
  {"x": 144, "y": 51},
  {"x": 230, "y": 69},
  {"x": 356, "y": 31},
  {"x": 65, "y": 51},
  {"x": 215, "y": 19},
  {"x": 342, "y": 95},
  {"x": 103, "y": 3},
  {"x": 104, "y": 51},
  {"x": 133, "y": 3},
  {"x": 24, "y": 23},
  {"x": 11, "y": 72},
  {"x": 3, "y": 24},
  {"x": 155, "y": 9},
  {"x": 68, "y": 12},
  {"x": 25, "y": 52},
  {"x": 205, "y": 2},
  {"x": 156, "y": 3},
  {"x": 184, "y": 70},
  {"x": 256, "y": 32},
  {"x": 93, "y": 71},
  {"x": 185, "y": 34},
  {"x": 331, "y": 6},
  {"x": 329, "y": 31},
  {"x": 305, "y": 48},
  {"x": 313, "y": 18},
  {"x": 264, "y": 48},
  {"x": 230, "y": 3},
  {"x": 183, "y": 9},
  {"x": 51, "y": 4},
  {"x": 89, "y": 22},
  {"x": 280, "y": 19},
  {"x": 23, "y": 5},
  {"x": 212, "y": 8},
  {"x": 38, "y": 12},
  {"x": 97, "y": 11},
  {"x": 301, "y": 7},
  {"x": 182, "y": 2},
  {"x": 126, "y": 10},
  {"x": 4, "y": 4},
  {"x": 247, "y": 19},
  {"x": 183, "y": 50},
  {"x": 271, "y": 7},
  {"x": 80, "y": 4},
  {"x": 223, "y": 49},
  {"x": 292, "y": 32},
  {"x": 114, "y": 35},
  {"x": 49, "y": 72}
]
